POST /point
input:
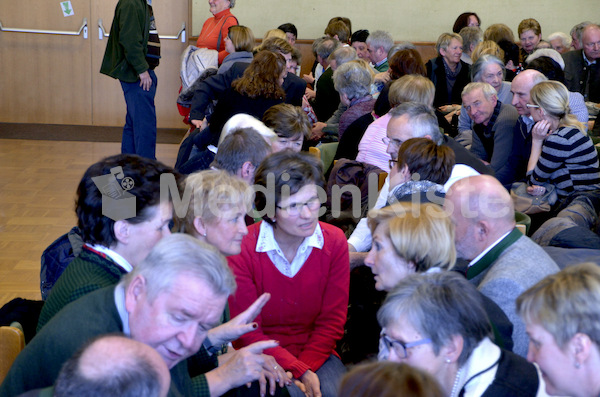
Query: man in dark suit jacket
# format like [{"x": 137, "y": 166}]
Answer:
[
  {"x": 212, "y": 87},
  {"x": 582, "y": 67},
  {"x": 327, "y": 98}
]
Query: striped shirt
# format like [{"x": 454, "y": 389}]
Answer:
[{"x": 569, "y": 161}]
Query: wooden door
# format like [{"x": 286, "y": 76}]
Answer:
[
  {"x": 53, "y": 79},
  {"x": 44, "y": 78},
  {"x": 108, "y": 101}
]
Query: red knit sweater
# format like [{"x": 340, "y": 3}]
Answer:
[
  {"x": 306, "y": 313},
  {"x": 209, "y": 35}
]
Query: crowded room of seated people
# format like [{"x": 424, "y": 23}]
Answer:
[{"x": 327, "y": 206}]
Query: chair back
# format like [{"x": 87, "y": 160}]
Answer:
[{"x": 12, "y": 341}]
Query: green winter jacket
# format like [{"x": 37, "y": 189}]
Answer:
[{"x": 125, "y": 56}]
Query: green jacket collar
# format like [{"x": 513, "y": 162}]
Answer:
[{"x": 493, "y": 254}]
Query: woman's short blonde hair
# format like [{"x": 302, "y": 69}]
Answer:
[
  {"x": 241, "y": 37},
  {"x": 411, "y": 88},
  {"x": 212, "y": 193},
  {"x": 422, "y": 234},
  {"x": 275, "y": 33},
  {"x": 553, "y": 97},
  {"x": 529, "y": 24},
  {"x": 565, "y": 303},
  {"x": 444, "y": 40},
  {"x": 489, "y": 47}
]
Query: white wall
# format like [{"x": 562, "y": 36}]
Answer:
[{"x": 413, "y": 21}]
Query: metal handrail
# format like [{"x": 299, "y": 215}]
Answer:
[
  {"x": 102, "y": 33},
  {"x": 59, "y": 32}
]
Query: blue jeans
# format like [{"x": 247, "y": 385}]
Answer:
[
  {"x": 139, "y": 132},
  {"x": 330, "y": 375}
]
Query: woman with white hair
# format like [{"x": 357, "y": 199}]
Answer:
[
  {"x": 437, "y": 323},
  {"x": 561, "y": 153},
  {"x": 560, "y": 41},
  {"x": 352, "y": 81}
]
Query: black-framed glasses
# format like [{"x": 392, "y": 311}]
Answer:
[
  {"x": 400, "y": 347},
  {"x": 294, "y": 209},
  {"x": 387, "y": 141},
  {"x": 392, "y": 163}
]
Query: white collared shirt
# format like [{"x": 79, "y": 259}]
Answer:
[
  {"x": 267, "y": 243},
  {"x": 120, "y": 303},
  {"x": 587, "y": 61},
  {"x": 485, "y": 251},
  {"x": 118, "y": 259}
]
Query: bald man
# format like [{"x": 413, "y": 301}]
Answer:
[
  {"x": 503, "y": 262},
  {"x": 114, "y": 365},
  {"x": 520, "y": 87}
]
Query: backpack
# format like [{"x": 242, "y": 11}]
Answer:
[{"x": 57, "y": 257}]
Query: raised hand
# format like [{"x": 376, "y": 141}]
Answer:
[{"x": 240, "y": 324}]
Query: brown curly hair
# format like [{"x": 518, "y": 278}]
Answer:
[{"x": 261, "y": 77}]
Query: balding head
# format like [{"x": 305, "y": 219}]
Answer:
[
  {"x": 590, "y": 40},
  {"x": 481, "y": 210},
  {"x": 117, "y": 366},
  {"x": 521, "y": 87}
]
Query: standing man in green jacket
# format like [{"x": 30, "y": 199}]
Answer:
[{"x": 132, "y": 53}]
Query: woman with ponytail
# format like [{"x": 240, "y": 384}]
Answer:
[{"x": 561, "y": 154}]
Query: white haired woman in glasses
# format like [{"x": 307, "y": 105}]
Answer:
[
  {"x": 436, "y": 322},
  {"x": 304, "y": 265}
]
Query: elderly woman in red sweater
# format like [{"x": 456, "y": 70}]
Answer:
[
  {"x": 215, "y": 29},
  {"x": 303, "y": 264}
]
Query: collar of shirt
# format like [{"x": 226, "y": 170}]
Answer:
[
  {"x": 587, "y": 61},
  {"x": 485, "y": 251},
  {"x": 381, "y": 62},
  {"x": 480, "y": 369},
  {"x": 120, "y": 303},
  {"x": 118, "y": 259},
  {"x": 267, "y": 243},
  {"x": 528, "y": 121}
]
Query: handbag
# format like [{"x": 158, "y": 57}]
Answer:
[{"x": 529, "y": 204}]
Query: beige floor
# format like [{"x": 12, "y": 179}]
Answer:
[{"x": 38, "y": 180}]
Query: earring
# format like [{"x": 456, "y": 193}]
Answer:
[
  {"x": 447, "y": 361},
  {"x": 204, "y": 234},
  {"x": 577, "y": 365}
]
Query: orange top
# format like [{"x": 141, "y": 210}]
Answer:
[{"x": 209, "y": 35}]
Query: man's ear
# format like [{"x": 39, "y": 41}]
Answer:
[
  {"x": 134, "y": 291},
  {"x": 483, "y": 229},
  {"x": 247, "y": 169},
  {"x": 122, "y": 231}
]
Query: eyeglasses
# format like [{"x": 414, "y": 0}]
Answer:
[
  {"x": 530, "y": 106},
  {"x": 400, "y": 347},
  {"x": 392, "y": 141},
  {"x": 392, "y": 163},
  {"x": 295, "y": 209}
]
